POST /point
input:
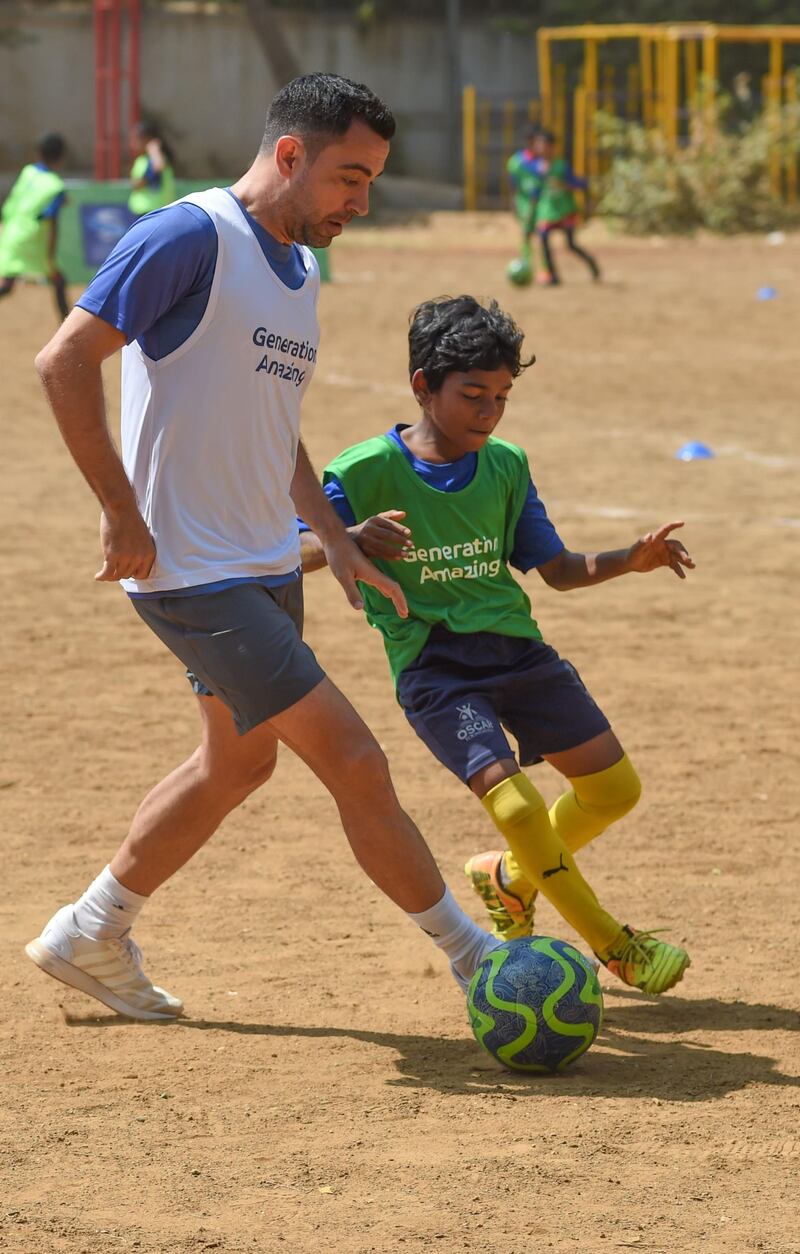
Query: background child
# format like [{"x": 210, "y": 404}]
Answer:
[
  {"x": 526, "y": 179},
  {"x": 152, "y": 175},
  {"x": 469, "y": 658},
  {"x": 556, "y": 208},
  {"x": 29, "y": 237}
]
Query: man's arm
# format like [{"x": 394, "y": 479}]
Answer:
[
  {"x": 70, "y": 370},
  {"x": 582, "y": 570},
  {"x": 336, "y": 548}
]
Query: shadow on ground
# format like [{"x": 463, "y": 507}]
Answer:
[{"x": 626, "y": 1061}]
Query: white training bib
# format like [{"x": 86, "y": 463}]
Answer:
[{"x": 210, "y": 432}]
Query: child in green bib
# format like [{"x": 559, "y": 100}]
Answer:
[
  {"x": 29, "y": 235},
  {"x": 152, "y": 174},
  {"x": 446, "y": 508}
]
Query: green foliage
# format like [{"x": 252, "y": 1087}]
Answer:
[{"x": 719, "y": 178}]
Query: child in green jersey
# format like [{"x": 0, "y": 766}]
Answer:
[
  {"x": 526, "y": 180},
  {"x": 29, "y": 237},
  {"x": 469, "y": 660},
  {"x": 152, "y": 175},
  {"x": 556, "y": 207}
]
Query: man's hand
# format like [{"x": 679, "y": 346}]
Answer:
[
  {"x": 383, "y": 535},
  {"x": 348, "y": 564},
  {"x": 654, "y": 550},
  {"x": 128, "y": 547}
]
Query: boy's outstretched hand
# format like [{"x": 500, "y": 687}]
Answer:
[
  {"x": 655, "y": 549},
  {"x": 383, "y": 535}
]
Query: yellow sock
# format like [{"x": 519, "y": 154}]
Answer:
[
  {"x": 595, "y": 802},
  {"x": 519, "y": 812}
]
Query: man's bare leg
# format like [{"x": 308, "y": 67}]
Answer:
[
  {"x": 184, "y": 810},
  {"x": 333, "y": 740}
]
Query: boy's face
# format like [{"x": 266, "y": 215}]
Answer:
[{"x": 466, "y": 408}]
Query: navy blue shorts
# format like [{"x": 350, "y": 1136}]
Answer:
[{"x": 463, "y": 690}]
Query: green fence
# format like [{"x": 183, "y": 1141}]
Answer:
[{"x": 96, "y": 216}]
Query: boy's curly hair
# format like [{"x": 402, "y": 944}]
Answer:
[{"x": 459, "y": 333}]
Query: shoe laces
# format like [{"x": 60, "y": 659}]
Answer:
[
  {"x": 130, "y": 952},
  {"x": 639, "y": 947}
]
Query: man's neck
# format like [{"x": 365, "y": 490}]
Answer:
[{"x": 261, "y": 196}]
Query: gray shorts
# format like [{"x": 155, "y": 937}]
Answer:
[{"x": 243, "y": 645}]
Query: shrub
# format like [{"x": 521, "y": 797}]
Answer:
[{"x": 718, "y": 178}]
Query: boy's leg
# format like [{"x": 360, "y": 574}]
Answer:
[
  {"x": 516, "y": 808},
  {"x": 586, "y": 257},
  {"x": 59, "y": 286},
  {"x": 519, "y": 813},
  {"x": 549, "y": 271},
  {"x": 605, "y": 787}
]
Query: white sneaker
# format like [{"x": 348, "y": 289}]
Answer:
[{"x": 110, "y": 970}]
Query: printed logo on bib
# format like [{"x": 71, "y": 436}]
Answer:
[
  {"x": 470, "y": 559},
  {"x": 471, "y": 724},
  {"x": 284, "y": 355}
]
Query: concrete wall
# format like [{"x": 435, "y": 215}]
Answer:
[{"x": 204, "y": 77}]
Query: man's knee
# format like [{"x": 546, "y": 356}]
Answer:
[
  {"x": 239, "y": 774},
  {"x": 360, "y": 765}
]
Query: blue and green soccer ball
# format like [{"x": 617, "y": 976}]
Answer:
[
  {"x": 535, "y": 1004},
  {"x": 519, "y": 271}
]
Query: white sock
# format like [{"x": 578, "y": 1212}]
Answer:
[
  {"x": 450, "y": 929},
  {"x": 107, "y": 908}
]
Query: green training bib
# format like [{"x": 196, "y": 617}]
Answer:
[{"x": 456, "y": 575}]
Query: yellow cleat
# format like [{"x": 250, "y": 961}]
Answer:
[
  {"x": 646, "y": 963},
  {"x": 510, "y": 908}
]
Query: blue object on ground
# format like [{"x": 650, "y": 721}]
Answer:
[
  {"x": 766, "y": 293},
  {"x": 694, "y": 451}
]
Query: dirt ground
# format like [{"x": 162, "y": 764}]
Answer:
[{"x": 324, "y": 1092}]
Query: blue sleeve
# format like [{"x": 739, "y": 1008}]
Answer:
[
  {"x": 573, "y": 180},
  {"x": 536, "y": 540},
  {"x": 164, "y": 257},
  {"x": 54, "y": 208},
  {"x": 336, "y": 495}
]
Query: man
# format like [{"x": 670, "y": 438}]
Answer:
[
  {"x": 29, "y": 239},
  {"x": 213, "y": 303}
]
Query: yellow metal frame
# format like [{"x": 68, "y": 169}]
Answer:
[
  {"x": 671, "y": 56},
  {"x": 659, "y": 78}
]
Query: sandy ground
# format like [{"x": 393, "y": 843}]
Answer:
[{"x": 325, "y": 1092}]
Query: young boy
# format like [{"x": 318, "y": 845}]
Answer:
[
  {"x": 29, "y": 237},
  {"x": 556, "y": 209},
  {"x": 526, "y": 179},
  {"x": 470, "y": 657}
]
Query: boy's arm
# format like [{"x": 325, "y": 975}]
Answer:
[
  {"x": 582, "y": 570},
  {"x": 383, "y": 535}
]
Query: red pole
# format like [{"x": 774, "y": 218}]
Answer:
[
  {"x": 100, "y": 117},
  {"x": 115, "y": 88},
  {"x": 134, "y": 27}
]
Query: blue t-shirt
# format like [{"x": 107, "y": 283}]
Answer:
[
  {"x": 536, "y": 540},
  {"x": 155, "y": 283},
  {"x": 154, "y": 288}
]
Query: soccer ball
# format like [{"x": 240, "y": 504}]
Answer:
[
  {"x": 519, "y": 271},
  {"x": 535, "y": 1004}
]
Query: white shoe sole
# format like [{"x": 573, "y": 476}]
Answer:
[{"x": 64, "y": 971}]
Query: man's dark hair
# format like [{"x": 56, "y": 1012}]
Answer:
[
  {"x": 51, "y": 147},
  {"x": 458, "y": 333},
  {"x": 320, "y": 108}
]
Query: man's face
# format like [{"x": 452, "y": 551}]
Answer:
[{"x": 333, "y": 187}]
